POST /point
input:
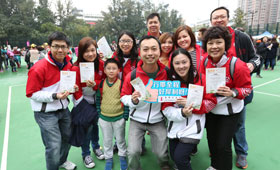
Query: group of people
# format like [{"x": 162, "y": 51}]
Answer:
[{"x": 110, "y": 100}]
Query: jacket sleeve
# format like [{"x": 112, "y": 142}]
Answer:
[
  {"x": 250, "y": 50},
  {"x": 242, "y": 80},
  {"x": 172, "y": 113},
  {"x": 34, "y": 87}
]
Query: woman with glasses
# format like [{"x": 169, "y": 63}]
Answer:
[
  {"x": 222, "y": 121},
  {"x": 87, "y": 52},
  {"x": 126, "y": 53},
  {"x": 167, "y": 46}
]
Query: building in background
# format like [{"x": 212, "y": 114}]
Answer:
[
  {"x": 261, "y": 15},
  {"x": 89, "y": 18}
]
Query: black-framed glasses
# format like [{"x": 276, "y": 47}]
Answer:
[
  {"x": 57, "y": 47},
  {"x": 126, "y": 41}
]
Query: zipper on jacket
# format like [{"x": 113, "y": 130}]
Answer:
[
  {"x": 198, "y": 125},
  {"x": 149, "y": 113},
  {"x": 132, "y": 113},
  {"x": 170, "y": 126},
  {"x": 187, "y": 121}
]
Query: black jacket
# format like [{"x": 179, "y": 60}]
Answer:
[{"x": 245, "y": 49}]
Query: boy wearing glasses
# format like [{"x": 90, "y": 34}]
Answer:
[{"x": 51, "y": 106}]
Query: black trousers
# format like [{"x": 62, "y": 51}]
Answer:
[
  {"x": 220, "y": 132},
  {"x": 180, "y": 153}
]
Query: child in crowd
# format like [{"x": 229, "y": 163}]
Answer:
[{"x": 112, "y": 114}]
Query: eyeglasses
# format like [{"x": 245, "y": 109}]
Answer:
[
  {"x": 221, "y": 16},
  {"x": 126, "y": 41},
  {"x": 57, "y": 47}
]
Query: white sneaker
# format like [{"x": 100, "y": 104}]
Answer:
[
  {"x": 88, "y": 162},
  {"x": 68, "y": 165},
  {"x": 211, "y": 168},
  {"x": 99, "y": 154}
]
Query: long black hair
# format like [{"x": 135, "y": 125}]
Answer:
[
  {"x": 192, "y": 74},
  {"x": 133, "y": 52}
]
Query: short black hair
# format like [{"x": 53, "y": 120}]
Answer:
[
  {"x": 146, "y": 37},
  {"x": 111, "y": 60},
  {"x": 202, "y": 30},
  {"x": 215, "y": 33},
  {"x": 152, "y": 15},
  {"x": 58, "y": 36},
  {"x": 222, "y": 7}
]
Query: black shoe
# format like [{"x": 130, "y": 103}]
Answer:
[
  {"x": 194, "y": 151},
  {"x": 115, "y": 148},
  {"x": 259, "y": 76}
]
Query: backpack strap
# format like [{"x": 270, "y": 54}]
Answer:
[
  {"x": 205, "y": 62},
  {"x": 101, "y": 84},
  {"x": 232, "y": 66},
  {"x": 133, "y": 74}
]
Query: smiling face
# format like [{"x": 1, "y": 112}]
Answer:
[
  {"x": 216, "y": 48},
  {"x": 111, "y": 70},
  {"x": 181, "y": 64},
  {"x": 149, "y": 51},
  {"x": 90, "y": 53},
  {"x": 167, "y": 46},
  {"x": 126, "y": 44},
  {"x": 153, "y": 25},
  {"x": 59, "y": 50},
  {"x": 184, "y": 40},
  {"x": 220, "y": 18}
]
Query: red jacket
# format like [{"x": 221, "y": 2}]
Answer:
[
  {"x": 84, "y": 91},
  {"x": 143, "y": 112}
]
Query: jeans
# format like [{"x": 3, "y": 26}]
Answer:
[
  {"x": 93, "y": 137},
  {"x": 158, "y": 134},
  {"x": 220, "y": 132},
  {"x": 271, "y": 62},
  {"x": 180, "y": 153},
  {"x": 239, "y": 139},
  {"x": 55, "y": 132}
]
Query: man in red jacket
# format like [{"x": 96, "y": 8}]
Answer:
[
  {"x": 146, "y": 116},
  {"x": 50, "y": 106}
]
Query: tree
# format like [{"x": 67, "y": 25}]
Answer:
[{"x": 238, "y": 19}]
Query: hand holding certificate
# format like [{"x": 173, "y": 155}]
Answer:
[
  {"x": 139, "y": 86},
  {"x": 86, "y": 71},
  {"x": 195, "y": 96},
  {"x": 215, "y": 77},
  {"x": 67, "y": 81}
]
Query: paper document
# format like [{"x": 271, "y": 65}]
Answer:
[
  {"x": 215, "y": 77},
  {"x": 195, "y": 96},
  {"x": 86, "y": 71},
  {"x": 67, "y": 81},
  {"x": 138, "y": 85},
  {"x": 104, "y": 47}
]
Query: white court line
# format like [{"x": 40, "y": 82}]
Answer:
[
  {"x": 267, "y": 94},
  {"x": 266, "y": 83},
  {"x": 6, "y": 135},
  {"x": 17, "y": 85}
]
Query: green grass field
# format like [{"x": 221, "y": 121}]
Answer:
[{"x": 25, "y": 150}]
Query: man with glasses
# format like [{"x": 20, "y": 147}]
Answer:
[
  {"x": 50, "y": 106},
  {"x": 241, "y": 47}
]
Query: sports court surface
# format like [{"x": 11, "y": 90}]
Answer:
[{"x": 21, "y": 146}]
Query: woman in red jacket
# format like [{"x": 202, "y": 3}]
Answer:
[
  {"x": 87, "y": 52},
  {"x": 185, "y": 38},
  {"x": 221, "y": 122},
  {"x": 126, "y": 53},
  {"x": 185, "y": 124}
]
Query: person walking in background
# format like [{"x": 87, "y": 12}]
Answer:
[
  {"x": 271, "y": 54},
  {"x": 262, "y": 51}
]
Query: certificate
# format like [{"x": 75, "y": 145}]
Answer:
[
  {"x": 215, "y": 77},
  {"x": 195, "y": 95},
  {"x": 104, "y": 47},
  {"x": 138, "y": 85},
  {"x": 67, "y": 81},
  {"x": 86, "y": 71}
]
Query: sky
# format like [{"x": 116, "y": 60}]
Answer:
[{"x": 191, "y": 10}]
